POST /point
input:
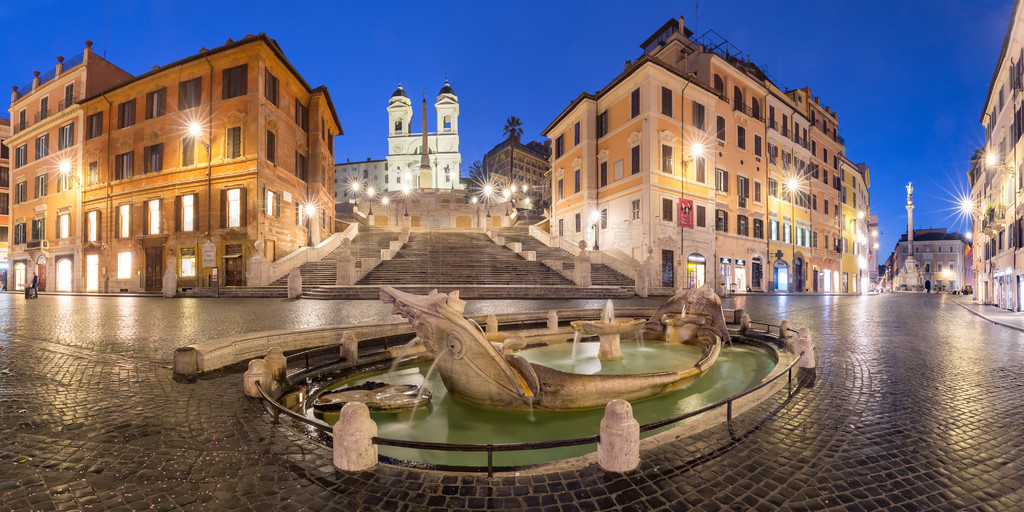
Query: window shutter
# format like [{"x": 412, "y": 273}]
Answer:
[
  {"x": 243, "y": 207},
  {"x": 177, "y": 213},
  {"x": 245, "y": 78},
  {"x": 277, "y": 205},
  {"x": 99, "y": 225},
  {"x": 223, "y": 208},
  {"x": 263, "y": 200},
  {"x": 146, "y": 153},
  {"x": 725, "y": 182},
  {"x": 182, "y": 96},
  {"x": 225, "y": 89}
]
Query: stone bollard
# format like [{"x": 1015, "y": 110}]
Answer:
[
  {"x": 784, "y": 330},
  {"x": 257, "y": 372},
  {"x": 553, "y": 320},
  {"x": 805, "y": 345},
  {"x": 619, "y": 447},
  {"x": 353, "y": 439},
  {"x": 277, "y": 365},
  {"x": 349, "y": 347},
  {"x": 346, "y": 272},
  {"x": 294, "y": 283},
  {"x": 744, "y": 323},
  {"x": 492, "y": 324}
]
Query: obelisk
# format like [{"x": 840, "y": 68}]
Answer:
[{"x": 426, "y": 180}]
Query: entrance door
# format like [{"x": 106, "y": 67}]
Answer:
[
  {"x": 19, "y": 276},
  {"x": 798, "y": 275},
  {"x": 234, "y": 269},
  {"x": 64, "y": 275},
  {"x": 781, "y": 277},
  {"x": 814, "y": 277},
  {"x": 755, "y": 274},
  {"x": 667, "y": 269},
  {"x": 92, "y": 273},
  {"x": 41, "y": 272},
  {"x": 154, "y": 268}
]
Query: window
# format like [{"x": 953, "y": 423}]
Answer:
[
  {"x": 66, "y": 136},
  {"x": 757, "y": 191},
  {"x": 233, "y": 143},
  {"x": 576, "y": 134},
  {"x": 634, "y": 209},
  {"x": 560, "y": 146},
  {"x": 666, "y": 209},
  {"x": 93, "y": 225},
  {"x": 741, "y": 137},
  {"x": 826, "y": 207},
  {"x": 270, "y": 84},
  {"x": 188, "y": 151},
  {"x": 94, "y": 125},
  {"x": 666, "y": 101},
  {"x": 785, "y": 233},
  {"x": 20, "y": 155},
  {"x": 814, "y": 239},
  {"x": 188, "y": 261},
  {"x": 5, "y": 177},
  {"x": 721, "y": 221},
  {"x": 561, "y": 227},
  {"x": 232, "y": 209},
  {"x": 63, "y": 181},
  {"x": 561, "y": 188},
  {"x": 757, "y": 145},
  {"x": 742, "y": 228},
  {"x": 700, "y": 169},
  {"x": 271, "y": 146},
  {"x": 721, "y": 180},
  {"x": 186, "y": 212},
  {"x": 742, "y": 190},
  {"x": 698, "y": 116},
  {"x": 69, "y": 96},
  {"x": 666, "y": 159},
  {"x": 721, "y": 128},
  {"x": 19, "y": 233},
  {"x": 4, "y": 152},
  {"x": 189, "y": 93},
  {"x": 578, "y": 226},
  {"x": 634, "y": 159},
  {"x": 44, "y": 108},
  {"x": 634, "y": 103},
  {"x": 234, "y": 83},
  {"x": 153, "y": 217},
  {"x": 43, "y": 146},
  {"x": 301, "y": 166},
  {"x": 785, "y": 125},
  {"x": 576, "y": 186},
  {"x": 123, "y": 165},
  {"x": 124, "y": 221},
  {"x": 156, "y": 103},
  {"x": 124, "y": 265},
  {"x": 154, "y": 158},
  {"x": 604, "y": 173},
  {"x": 604, "y": 219},
  {"x": 94, "y": 173},
  {"x": 20, "y": 192},
  {"x": 702, "y": 215},
  {"x": 39, "y": 228},
  {"x": 759, "y": 229},
  {"x": 272, "y": 207},
  {"x": 719, "y": 85},
  {"x": 41, "y": 182},
  {"x": 602, "y": 124},
  {"x": 126, "y": 114},
  {"x": 301, "y": 115},
  {"x": 773, "y": 226},
  {"x": 773, "y": 187}
]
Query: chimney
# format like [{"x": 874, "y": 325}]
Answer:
[
  {"x": 682, "y": 29},
  {"x": 87, "y": 52},
  {"x": 14, "y": 93},
  {"x": 35, "y": 80},
  {"x": 60, "y": 65}
]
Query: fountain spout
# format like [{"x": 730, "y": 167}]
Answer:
[{"x": 608, "y": 315}]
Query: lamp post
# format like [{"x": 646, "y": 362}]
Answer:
[
  {"x": 488, "y": 190},
  {"x": 405, "y": 192},
  {"x": 196, "y": 131},
  {"x": 64, "y": 168},
  {"x": 793, "y": 185},
  {"x": 696, "y": 151},
  {"x": 596, "y": 218},
  {"x": 507, "y": 193},
  {"x": 370, "y": 193}
]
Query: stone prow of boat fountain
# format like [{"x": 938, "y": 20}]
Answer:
[
  {"x": 697, "y": 302},
  {"x": 474, "y": 370}
]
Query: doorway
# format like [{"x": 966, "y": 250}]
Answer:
[
  {"x": 41, "y": 272},
  {"x": 755, "y": 273},
  {"x": 667, "y": 268},
  {"x": 695, "y": 270},
  {"x": 234, "y": 271},
  {"x": 154, "y": 268},
  {"x": 19, "y": 276},
  {"x": 798, "y": 275},
  {"x": 64, "y": 275},
  {"x": 92, "y": 273},
  {"x": 781, "y": 276}
]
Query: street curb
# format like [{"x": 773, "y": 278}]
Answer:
[{"x": 973, "y": 312}]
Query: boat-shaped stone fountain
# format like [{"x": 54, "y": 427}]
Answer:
[{"x": 473, "y": 369}]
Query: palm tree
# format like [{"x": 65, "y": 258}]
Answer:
[{"x": 513, "y": 130}]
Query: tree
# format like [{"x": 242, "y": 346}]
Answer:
[{"x": 513, "y": 128}]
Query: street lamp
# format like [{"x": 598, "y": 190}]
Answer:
[
  {"x": 595, "y": 216},
  {"x": 308, "y": 211},
  {"x": 793, "y": 186},
  {"x": 64, "y": 168},
  {"x": 196, "y": 131},
  {"x": 508, "y": 195},
  {"x": 488, "y": 190},
  {"x": 696, "y": 151},
  {"x": 370, "y": 193},
  {"x": 405, "y": 192}
]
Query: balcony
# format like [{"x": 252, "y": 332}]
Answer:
[
  {"x": 739, "y": 107},
  {"x": 993, "y": 221}
]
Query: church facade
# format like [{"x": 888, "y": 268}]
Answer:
[{"x": 405, "y": 165}]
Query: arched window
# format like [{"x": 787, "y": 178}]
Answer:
[
  {"x": 447, "y": 122},
  {"x": 737, "y": 98},
  {"x": 719, "y": 85},
  {"x": 398, "y": 125},
  {"x": 755, "y": 108}
]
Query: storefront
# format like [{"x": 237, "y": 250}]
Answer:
[
  {"x": 695, "y": 265},
  {"x": 781, "y": 275}
]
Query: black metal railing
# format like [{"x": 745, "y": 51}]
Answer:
[{"x": 490, "y": 449}]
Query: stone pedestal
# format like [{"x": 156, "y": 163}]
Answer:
[
  {"x": 276, "y": 363},
  {"x": 784, "y": 330},
  {"x": 744, "y": 323},
  {"x": 259, "y": 267},
  {"x": 349, "y": 347},
  {"x": 492, "y": 324},
  {"x": 581, "y": 272},
  {"x": 610, "y": 347},
  {"x": 553, "y": 320},
  {"x": 641, "y": 282},
  {"x": 353, "y": 438},
  {"x": 257, "y": 372},
  {"x": 170, "y": 279},
  {"x": 619, "y": 448},
  {"x": 294, "y": 283}
]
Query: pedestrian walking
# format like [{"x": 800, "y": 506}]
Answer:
[{"x": 35, "y": 286}]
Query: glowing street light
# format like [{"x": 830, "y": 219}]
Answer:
[
  {"x": 595, "y": 217},
  {"x": 308, "y": 211},
  {"x": 405, "y": 192},
  {"x": 488, "y": 191},
  {"x": 507, "y": 194},
  {"x": 793, "y": 186},
  {"x": 370, "y": 193}
]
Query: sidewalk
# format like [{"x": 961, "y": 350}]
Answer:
[{"x": 992, "y": 313}]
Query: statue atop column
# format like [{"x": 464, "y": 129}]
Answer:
[{"x": 910, "y": 192}]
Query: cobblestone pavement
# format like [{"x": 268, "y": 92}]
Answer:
[{"x": 917, "y": 406}]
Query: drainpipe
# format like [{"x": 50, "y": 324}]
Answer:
[
  {"x": 764, "y": 225},
  {"x": 682, "y": 187},
  {"x": 209, "y": 156},
  {"x": 111, "y": 219}
]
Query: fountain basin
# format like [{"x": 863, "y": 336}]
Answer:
[{"x": 378, "y": 397}]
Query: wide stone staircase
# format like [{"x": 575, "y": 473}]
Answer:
[
  {"x": 600, "y": 274},
  {"x": 366, "y": 245},
  {"x": 469, "y": 262}
]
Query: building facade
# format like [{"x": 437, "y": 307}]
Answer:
[
  {"x": 5, "y": 201},
  {"x": 529, "y": 163},
  {"x": 404, "y": 163},
  {"x": 940, "y": 256},
  {"x": 693, "y": 161},
  {"x": 352, "y": 179},
  {"x": 183, "y": 169}
]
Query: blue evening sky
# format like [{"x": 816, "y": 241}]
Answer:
[{"x": 908, "y": 78}]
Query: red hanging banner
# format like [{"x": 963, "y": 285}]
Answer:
[{"x": 685, "y": 213}]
